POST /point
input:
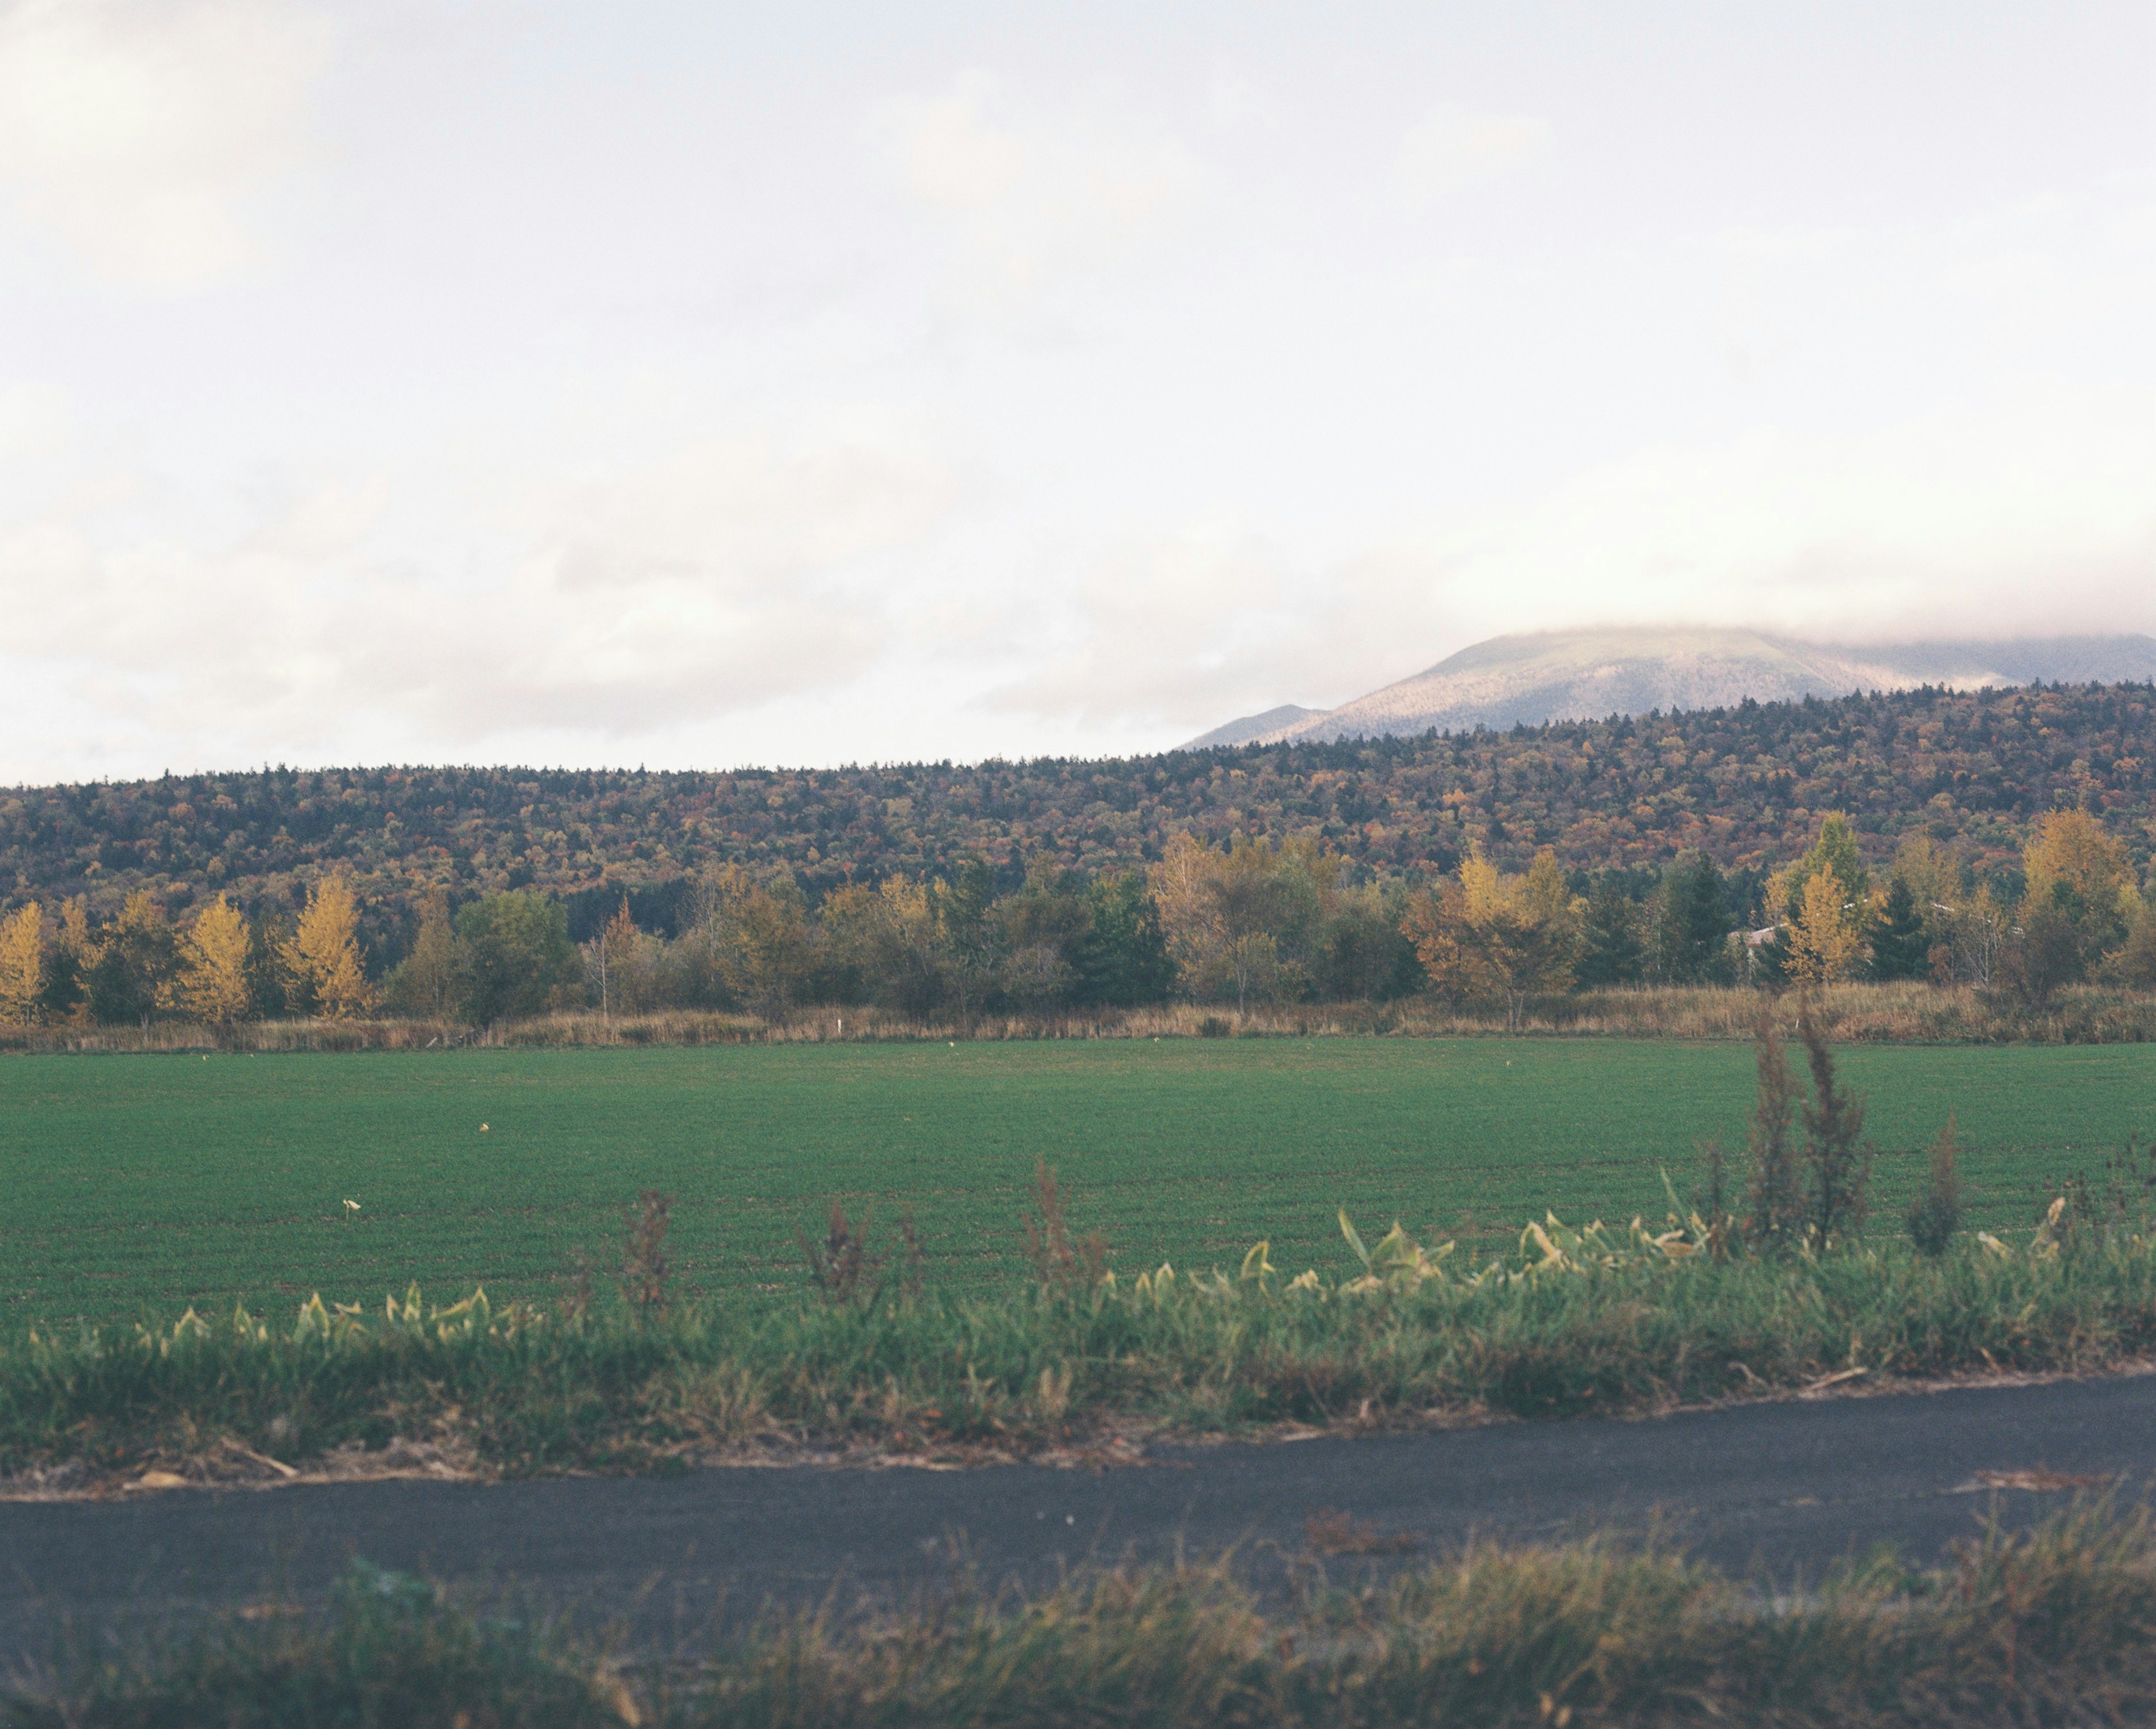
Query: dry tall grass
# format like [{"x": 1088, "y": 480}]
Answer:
[{"x": 1913, "y": 1013}]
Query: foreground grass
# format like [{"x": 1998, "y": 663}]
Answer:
[
  {"x": 517, "y": 1391},
  {"x": 2057, "y": 1626}
]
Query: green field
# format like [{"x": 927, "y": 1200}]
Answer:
[{"x": 153, "y": 1181}]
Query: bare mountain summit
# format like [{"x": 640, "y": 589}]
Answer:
[{"x": 1586, "y": 675}]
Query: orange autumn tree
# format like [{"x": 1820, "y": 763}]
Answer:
[{"x": 426, "y": 981}]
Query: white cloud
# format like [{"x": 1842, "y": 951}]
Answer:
[
  {"x": 1189, "y": 630},
  {"x": 2030, "y": 512},
  {"x": 137, "y": 131},
  {"x": 735, "y": 515},
  {"x": 725, "y": 576},
  {"x": 1234, "y": 100},
  {"x": 555, "y": 369},
  {"x": 1451, "y": 148},
  {"x": 33, "y": 418},
  {"x": 1032, "y": 193}
]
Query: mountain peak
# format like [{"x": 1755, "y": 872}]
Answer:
[{"x": 1586, "y": 675}]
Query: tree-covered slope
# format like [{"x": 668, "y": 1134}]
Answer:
[{"x": 1746, "y": 785}]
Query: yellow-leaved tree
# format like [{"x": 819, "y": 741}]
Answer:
[
  {"x": 2081, "y": 903},
  {"x": 757, "y": 934},
  {"x": 322, "y": 958},
  {"x": 1486, "y": 935},
  {"x": 2071, "y": 850},
  {"x": 1242, "y": 922},
  {"x": 627, "y": 962},
  {"x": 22, "y": 964},
  {"x": 1818, "y": 954},
  {"x": 425, "y": 981},
  {"x": 2078, "y": 871},
  {"x": 881, "y": 943},
  {"x": 214, "y": 985},
  {"x": 1933, "y": 878},
  {"x": 77, "y": 942},
  {"x": 604, "y": 953},
  {"x": 1825, "y": 940}
]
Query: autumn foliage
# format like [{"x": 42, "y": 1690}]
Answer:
[
  {"x": 322, "y": 958},
  {"x": 1993, "y": 840}
]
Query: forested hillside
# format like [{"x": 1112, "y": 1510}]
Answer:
[
  {"x": 1745, "y": 786},
  {"x": 1985, "y": 840}
]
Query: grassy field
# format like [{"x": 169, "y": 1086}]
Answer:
[{"x": 155, "y": 1181}]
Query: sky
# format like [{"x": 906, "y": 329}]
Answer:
[{"x": 705, "y": 385}]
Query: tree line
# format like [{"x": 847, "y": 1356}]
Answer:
[
  {"x": 1251, "y": 921},
  {"x": 2079, "y": 914}
]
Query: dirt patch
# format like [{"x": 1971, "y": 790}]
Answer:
[
  {"x": 1109, "y": 1445},
  {"x": 1333, "y": 1533},
  {"x": 230, "y": 1465}
]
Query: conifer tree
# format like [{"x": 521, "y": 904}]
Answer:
[
  {"x": 130, "y": 971},
  {"x": 1611, "y": 950},
  {"x": 1124, "y": 954},
  {"x": 1692, "y": 924},
  {"x": 1901, "y": 946}
]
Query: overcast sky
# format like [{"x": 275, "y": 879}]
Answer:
[{"x": 696, "y": 385}]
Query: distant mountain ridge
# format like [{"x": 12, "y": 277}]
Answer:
[
  {"x": 1590, "y": 674},
  {"x": 1273, "y": 723}
]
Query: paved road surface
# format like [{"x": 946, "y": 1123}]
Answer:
[{"x": 1777, "y": 1488}]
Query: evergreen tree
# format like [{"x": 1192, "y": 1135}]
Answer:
[
  {"x": 1610, "y": 949},
  {"x": 134, "y": 964},
  {"x": 1042, "y": 927},
  {"x": 1900, "y": 947},
  {"x": 1122, "y": 957},
  {"x": 967, "y": 935},
  {"x": 1692, "y": 925}
]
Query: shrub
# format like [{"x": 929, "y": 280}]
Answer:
[
  {"x": 1935, "y": 1215},
  {"x": 843, "y": 1262},
  {"x": 1777, "y": 1198},
  {"x": 1839, "y": 1173}
]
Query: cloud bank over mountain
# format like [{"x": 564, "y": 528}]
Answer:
[
  {"x": 507, "y": 383},
  {"x": 1590, "y": 674}
]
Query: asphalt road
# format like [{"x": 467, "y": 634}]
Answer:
[{"x": 1778, "y": 1489}]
